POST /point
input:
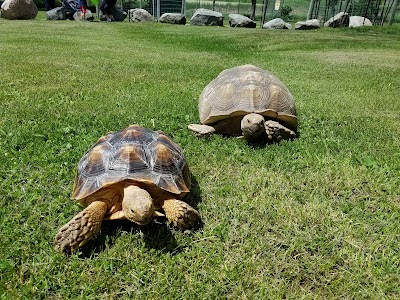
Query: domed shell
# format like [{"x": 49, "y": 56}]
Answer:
[
  {"x": 136, "y": 154},
  {"x": 246, "y": 89}
]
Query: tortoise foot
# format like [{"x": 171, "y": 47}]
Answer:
[
  {"x": 201, "y": 130},
  {"x": 81, "y": 228},
  {"x": 277, "y": 132},
  {"x": 181, "y": 214}
]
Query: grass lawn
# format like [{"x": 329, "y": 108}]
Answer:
[{"x": 313, "y": 218}]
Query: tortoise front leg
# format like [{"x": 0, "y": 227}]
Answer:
[
  {"x": 181, "y": 214},
  {"x": 276, "y": 132},
  {"x": 81, "y": 228},
  {"x": 201, "y": 130}
]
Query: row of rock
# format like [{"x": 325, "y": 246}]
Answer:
[
  {"x": 212, "y": 18},
  {"x": 207, "y": 17},
  {"x": 26, "y": 9},
  {"x": 340, "y": 20}
]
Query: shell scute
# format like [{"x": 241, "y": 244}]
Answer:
[
  {"x": 129, "y": 158},
  {"x": 94, "y": 162}
]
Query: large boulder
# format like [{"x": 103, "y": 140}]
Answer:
[
  {"x": 173, "y": 18},
  {"x": 206, "y": 17},
  {"x": 307, "y": 25},
  {"x": 277, "y": 23},
  {"x": 57, "y": 13},
  {"x": 19, "y": 10},
  {"x": 339, "y": 20},
  {"x": 139, "y": 15},
  {"x": 237, "y": 20},
  {"x": 357, "y": 21}
]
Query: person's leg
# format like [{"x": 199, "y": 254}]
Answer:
[
  {"x": 109, "y": 8},
  {"x": 47, "y": 4}
]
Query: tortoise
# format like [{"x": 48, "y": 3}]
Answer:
[
  {"x": 247, "y": 102},
  {"x": 130, "y": 174}
]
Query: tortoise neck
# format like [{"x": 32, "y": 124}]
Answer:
[{"x": 110, "y": 195}]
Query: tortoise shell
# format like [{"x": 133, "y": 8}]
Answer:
[
  {"x": 247, "y": 89},
  {"x": 136, "y": 154}
]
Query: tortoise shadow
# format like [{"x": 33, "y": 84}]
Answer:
[
  {"x": 260, "y": 144},
  {"x": 194, "y": 197},
  {"x": 157, "y": 235}
]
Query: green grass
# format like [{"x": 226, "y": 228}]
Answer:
[{"x": 313, "y": 218}]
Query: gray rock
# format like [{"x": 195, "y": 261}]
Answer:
[
  {"x": 339, "y": 20},
  {"x": 206, "y": 17},
  {"x": 307, "y": 25},
  {"x": 237, "y": 20},
  {"x": 356, "y": 21},
  {"x": 140, "y": 15},
  {"x": 57, "y": 13},
  {"x": 79, "y": 16},
  {"x": 19, "y": 10},
  {"x": 172, "y": 18},
  {"x": 277, "y": 23}
]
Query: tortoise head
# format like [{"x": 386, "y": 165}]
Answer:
[
  {"x": 137, "y": 205},
  {"x": 252, "y": 126}
]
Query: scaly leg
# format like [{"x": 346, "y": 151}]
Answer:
[
  {"x": 81, "y": 228},
  {"x": 181, "y": 214},
  {"x": 201, "y": 130},
  {"x": 276, "y": 132}
]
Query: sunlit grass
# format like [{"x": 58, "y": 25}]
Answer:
[{"x": 317, "y": 217}]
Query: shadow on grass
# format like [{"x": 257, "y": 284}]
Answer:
[
  {"x": 156, "y": 235},
  {"x": 260, "y": 144}
]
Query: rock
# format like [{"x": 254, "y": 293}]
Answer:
[
  {"x": 339, "y": 20},
  {"x": 356, "y": 21},
  {"x": 139, "y": 15},
  {"x": 277, "y": 23},
  {"x": 172, "y": 18},
  {"x": 206, "y": 17},
  {"x": 57, "y": 13},
  {"x": 237, "y": 20},
  {"x": 79, "y": 16},
  {"x": 307, "y": 25},
  {"x": 19, "y": 10}
]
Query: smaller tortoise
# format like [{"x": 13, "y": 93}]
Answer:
[
  {"x": 130, "y": 174},
  {"x": 247, "y": 102}
]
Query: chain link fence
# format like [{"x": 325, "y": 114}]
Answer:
[
  {"x": 376, "y": 10},
  {"x": 188, "y": 7}
]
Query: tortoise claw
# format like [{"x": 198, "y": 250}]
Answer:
[
  {"x": 277, "y": 132},
  {"x": 181, "y": 214}
]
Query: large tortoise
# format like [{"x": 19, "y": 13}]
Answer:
[
  {"x": 130, "y": 174},
  {"x": 248, "y": 102}
]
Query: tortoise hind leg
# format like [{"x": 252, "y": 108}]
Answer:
[
  {"x": 276, "y": 132},
  {"x": 181, "y": 214},
  {"x": 81, "y": 228}
]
